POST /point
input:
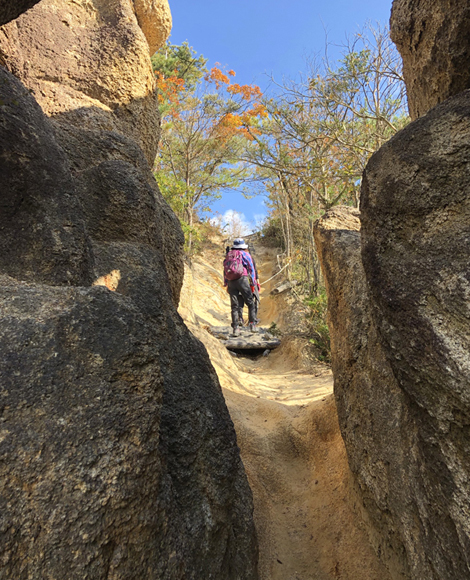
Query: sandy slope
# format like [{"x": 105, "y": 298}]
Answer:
[{"x": 288, "y": 433}]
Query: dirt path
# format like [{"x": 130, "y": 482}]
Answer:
[{"x": 287, "y": 429}]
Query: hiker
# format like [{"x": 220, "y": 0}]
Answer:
[
  {"x": 239, "y": 275},
  {"x": 255, "y": 288},
  {"x": 241, "y": 302}
]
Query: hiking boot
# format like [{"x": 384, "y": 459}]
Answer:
[
  {"x": 252, "y": 327},
  {"x": 236, "y": 331}
]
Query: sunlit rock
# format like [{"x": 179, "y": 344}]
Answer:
[
  {"x": 154, "y": 17},
  {"x": 433, "y": 37}
]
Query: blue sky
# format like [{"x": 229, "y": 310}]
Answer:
[{"x": 258, "y": 38}]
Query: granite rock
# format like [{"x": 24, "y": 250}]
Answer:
[
  {"x": 10, "y": 10},
  {"x": 433, "y": 37},
  {"x": 119, "y": 458}
]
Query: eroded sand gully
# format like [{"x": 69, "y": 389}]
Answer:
[{"x": 287, "y": 429}]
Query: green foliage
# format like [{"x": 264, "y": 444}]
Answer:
[
  {"x": 176, "y": 195},
  {"x": 180, "y": 61},
  {"x": 204, "y": 119},
  {"x": 173, "y": 190},
  {"x": 274, "y": 329},
  {"x": 272, "y": 233},
  {"x": 320, "y": 333}
]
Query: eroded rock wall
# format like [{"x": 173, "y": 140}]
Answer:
[
  {"x": 118, "y": 456},
  {"x": 399, "y": 315},
  {"x": 399, "y": 309},
  {"x": 433, "y": 37},
  {"x": 416, "y": 242},
  {"x": 372, "y": 411}
]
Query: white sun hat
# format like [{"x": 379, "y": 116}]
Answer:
[{"x": 239, "y": 244}]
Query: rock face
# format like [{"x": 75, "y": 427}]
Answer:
[
  {"x": 89, "y": 68},
  {"x": 433, "y": 37},
  {"x": 416, "y": 243},
  {"x": 118, "y": 456},
  {"x": 368, "y": 398},
  {"x": 43, "y": 233},
  {"x": 81, "y": 470},
  {"x": 147, "y": 12},
  {"x": 400, "y": 323}
]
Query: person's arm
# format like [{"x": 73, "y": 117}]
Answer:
[
  {"x": 248, "y": 263},
  {"x": 254, "y": 265},
  {"x": 256, "y": 274}
]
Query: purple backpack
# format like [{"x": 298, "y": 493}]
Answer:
[{"x": 233, "y": 265}]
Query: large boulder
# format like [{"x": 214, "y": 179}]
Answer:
[
  {"x": 369, "y": 401},
  {"x": 433, "y": 37},
  {"x": 80, "y": 467},
  {"x": 399, "y": 317},
  {"x": 118, "y": 456},
  {"x": 416, "y": 242},
  {"x": 88, "y": 65}
]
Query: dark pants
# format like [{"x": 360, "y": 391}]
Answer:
[
  {"x": 235, "y": 288},
  {"x": 241, "y": 304}
]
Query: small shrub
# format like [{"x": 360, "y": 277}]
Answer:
[
  {"x": 271, "y": 233},
  {"x": 274, "y": 329},
  {"x": 319, "y": 331}
]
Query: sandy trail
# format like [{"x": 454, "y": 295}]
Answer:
[{"x": 287, "y": 430}]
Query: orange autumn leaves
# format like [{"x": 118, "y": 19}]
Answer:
[
  {"x": 218, "y": 77},
  {"x": 169, "y": 91},
  {"x": 248, "y": 107},
  {"x": 242, "y": 122}
]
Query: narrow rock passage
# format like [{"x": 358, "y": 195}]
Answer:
[{"x": 285, "y": 418}]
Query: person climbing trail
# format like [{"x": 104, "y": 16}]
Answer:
[
  {"x": 239, "y": 276},
  {"x": 241, "y": 302},
  {"x": 255, "y": 289}
]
